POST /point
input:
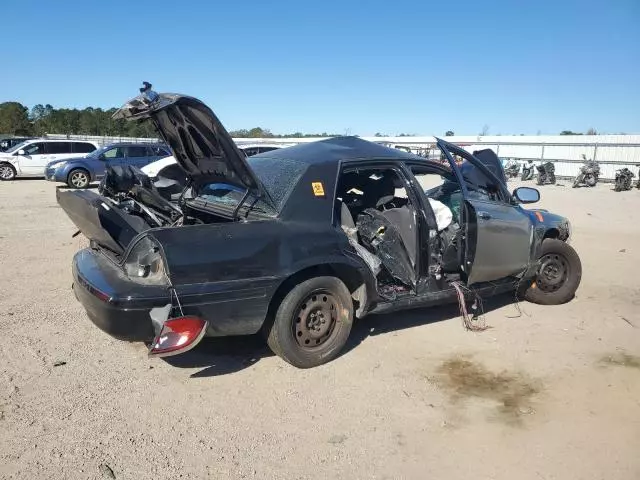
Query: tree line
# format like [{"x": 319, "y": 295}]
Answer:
[{"x": 16, "y": 119}]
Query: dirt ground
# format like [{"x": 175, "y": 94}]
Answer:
[{"x": 545, "y": 393}]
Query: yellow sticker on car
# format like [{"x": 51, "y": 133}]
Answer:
[{"x": 318, "y": 189}]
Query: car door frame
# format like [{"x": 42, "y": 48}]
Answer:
[
  {"x": 421, "y": 265},
  {"x": 135, "y": 161},
  {"x": 480, "y": 227},
  {"x": 427, "y": 227},
  {"x": 26, "y": 164},
  {"x": 117, "y": 161},
  {"x": 50, "y": 157}
]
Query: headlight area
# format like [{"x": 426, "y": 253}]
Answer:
[{"x": 145, "y": 263}]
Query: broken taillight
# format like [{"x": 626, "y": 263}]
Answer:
[{"x": 178, "y": 335}]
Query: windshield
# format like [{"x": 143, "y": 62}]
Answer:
[
  {"x": 279, "y": 177},
  {"x": 17, "y": 147}
]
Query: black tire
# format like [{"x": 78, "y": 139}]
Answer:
[
  {"x": 297, "y": 322},
  {"x": 78, "y": 178},
  {"x": 547, "y": 290},
  {"x": 7, "y": 172}
]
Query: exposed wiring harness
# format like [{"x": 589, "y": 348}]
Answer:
[{"x": 474, "y": 322}]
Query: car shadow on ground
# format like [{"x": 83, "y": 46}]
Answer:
[
  {"x": 91, "y": 186},
  {"x": 222, "y": 355},
  {"x": 373, "y": 325},
  {"x": 225, "y": 355},
  {"x": 26, "y": 179}
]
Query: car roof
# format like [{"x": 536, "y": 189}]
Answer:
[
  {"x": 258, "y": 145},
  {"x": 40, "y": 139},
  {"x": 135, "y": 144},
  {"x": 338, "y": 149},
  {"x": 75, "y": 140}
]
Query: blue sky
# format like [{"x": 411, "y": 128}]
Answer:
[{"x": 339, "y": 66}]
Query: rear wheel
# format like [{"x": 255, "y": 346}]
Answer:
[
  {"x": 7, "y": 172},
  {"x": 78, "y": 178},
  {"x": 619, "y": 186},
  {"x": 312, "y": 323},
  {"x": 558, "y": 276}
]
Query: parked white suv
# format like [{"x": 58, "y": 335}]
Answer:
[
  {"x": 250, "y": 149},
  {"x": 29, "y": 158}
]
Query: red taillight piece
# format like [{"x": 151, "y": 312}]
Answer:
[{"x": 178, "y": 335}]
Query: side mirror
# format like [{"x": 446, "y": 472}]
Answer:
[
  {"x": 526, "y": 195},
  {"x": 21, "y": 152}
]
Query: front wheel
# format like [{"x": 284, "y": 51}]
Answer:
[
  {"x": 558, "y": 276},
  {"x": 312, "y": 323},
  {"x": 78, "y": 178},
  {"x": 7, "y": 172},
  {"x": 576, "y": 181}
]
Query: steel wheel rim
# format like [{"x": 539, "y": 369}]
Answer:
[
  {"x": 553, "y": 272},
  {"x": 6, "y": 172},
  {"x": 315, "y": 320},
  {"x": 79, "y": 179}
]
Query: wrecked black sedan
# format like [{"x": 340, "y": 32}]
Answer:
[{"x": 298, "y": 242}]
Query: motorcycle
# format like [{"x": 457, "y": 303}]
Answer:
[
  {"x": 546, "y": 173},
  {"x": 624, "y": 178},
  {"x": 527, "y": 171},
  {"x": 589, "y": 173},
  {"x": 512, "y": 169}
]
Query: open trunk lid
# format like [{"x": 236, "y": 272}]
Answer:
[
  {"x": 99, "y": 221},
  {"x": 199, "y": 141}
]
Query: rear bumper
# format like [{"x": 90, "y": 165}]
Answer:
[{"x": 113, "y": 303}]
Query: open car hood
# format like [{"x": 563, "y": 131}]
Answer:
[{"x": 199, "y": 141}]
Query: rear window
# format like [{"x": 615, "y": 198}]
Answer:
[
  {"x": 57, "y": 147},
  {"x": 83, "y": 147},
  {"x": 279, "y": 176}
]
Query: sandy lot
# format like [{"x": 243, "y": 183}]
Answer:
[{"x": 546, "y": 393}]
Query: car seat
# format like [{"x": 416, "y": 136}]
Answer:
[{"x": 382, "y": 238}]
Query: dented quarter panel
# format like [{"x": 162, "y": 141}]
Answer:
[{"x": 229, "y": 273}]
